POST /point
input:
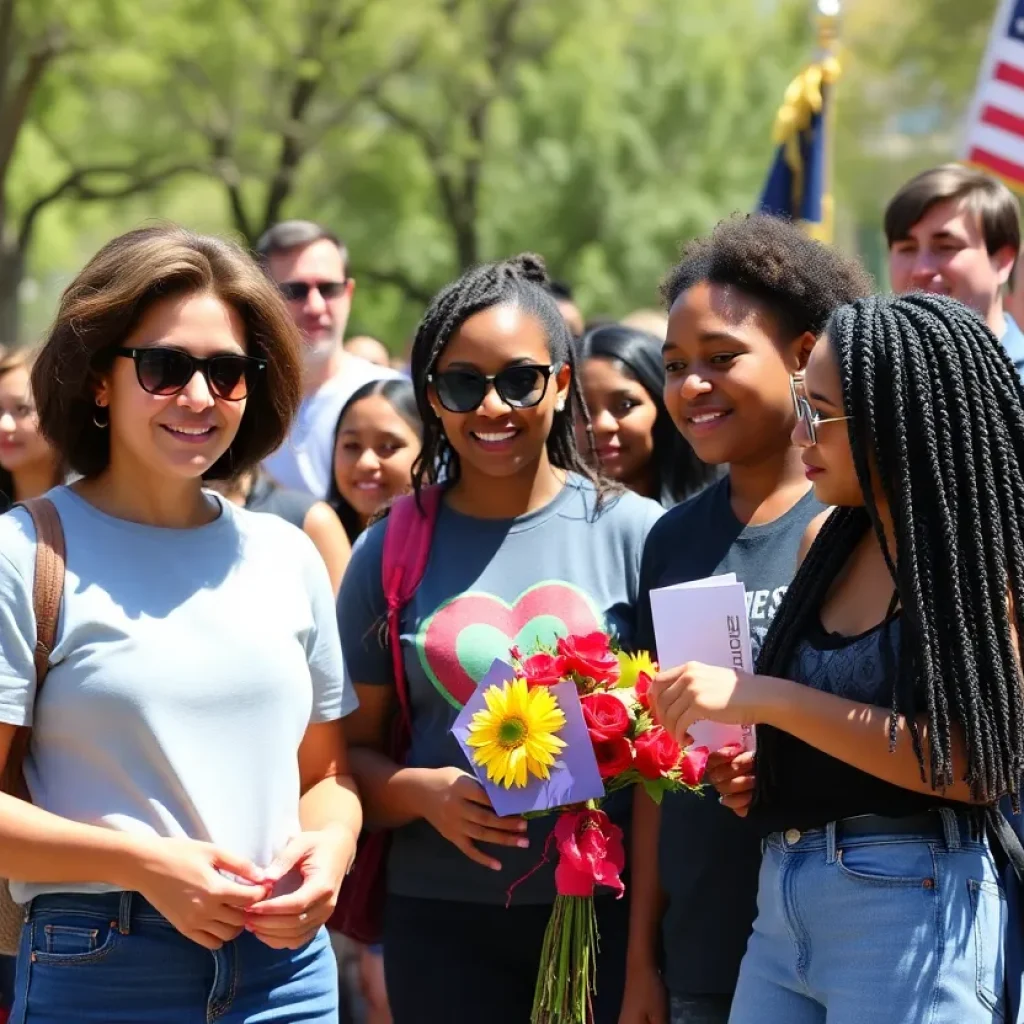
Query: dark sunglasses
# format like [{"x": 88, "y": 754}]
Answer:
[
  {"x": 296, "y": 291},
  {"x": 521, "y": 387},
  {"x": 167, "y": 371}
]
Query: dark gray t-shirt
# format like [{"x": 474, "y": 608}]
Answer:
[
  {"x": 489, "y": 583},
  {"x": 708, "y": 857}
]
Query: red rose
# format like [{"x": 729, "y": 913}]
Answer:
[
  {"x": 691, "y": 768},
  {"x": 613, "y": 756},
  {"x": 544, "y": 669},
  {"x": 590, "y": 853},
  {"x": 643, "y": 690},
  {"x": 590, "y": 656},
  {"x": 656, "y": 753},
  {"x": 606, "y": 717}
]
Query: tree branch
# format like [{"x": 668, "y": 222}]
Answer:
[
  {"x": 227, "y": 172},
  {"x": 76, "y": 184},
  {"x": 12, "y": 116},
  {"x": 400, "y": 280},
  {"x": 304, "y": 90},
  {"x": 6, "y": 46}
]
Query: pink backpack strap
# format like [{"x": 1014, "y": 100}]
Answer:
[{"x": 407, "y": 536}]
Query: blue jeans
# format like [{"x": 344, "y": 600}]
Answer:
[
  {"x": 856, "y": 926},
  {"x": 113, "y": 959}
]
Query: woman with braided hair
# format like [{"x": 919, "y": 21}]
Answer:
[
  {"x": 528, "y": 545},
  {"x": 888, "y": 701}
]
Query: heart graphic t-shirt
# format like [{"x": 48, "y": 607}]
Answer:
[{"x": 489, "y": 584}]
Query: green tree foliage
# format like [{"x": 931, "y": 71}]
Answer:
[{"x": 601, "y": 133}]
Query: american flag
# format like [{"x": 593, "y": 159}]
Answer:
[{"x": 995, "y": 129}]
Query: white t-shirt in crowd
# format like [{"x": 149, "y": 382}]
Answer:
[
  {"x": 188, "y": 665},
  {"x": 305, "y": 461}
]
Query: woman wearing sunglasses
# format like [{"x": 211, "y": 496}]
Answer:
[
  {"x": 192, "y": 815},
  {"x": 528, "y": 546},
  {"x": 888, "y": 702}
]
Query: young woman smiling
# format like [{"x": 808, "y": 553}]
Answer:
[
  {"x": 28, "y": 464},
  {"x": 746, "y": 305},
  {"x": 527, "y": 547},
  {"x": 192, "y": 815},
  {"x": 623, "y": 380},
  {"x": 888, "y": 702},
  {"x": 378, "y": 439}
]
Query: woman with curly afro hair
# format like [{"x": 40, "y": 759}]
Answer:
[{"x": 746, "y": 305}]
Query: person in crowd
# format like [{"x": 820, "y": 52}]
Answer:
[
  {"x": 561, "y": 292},
  {"x": 370, "y": 349},
  {"x": 528, "y": 545},
  {"x": 257, "y": 491},
  {"x": 310, "y": 266},
  {"x": 29, "y": 466},
  {"x": 379, "y": 437},
  {"x": 745, "y": 306},
  {"x": 954, "y": 230},
  {"x": 888, "y": 702},
  {"x": 192, "y": 815},
  {"x": 654, "y": 321},
  {"x": 637, "y": 444}
]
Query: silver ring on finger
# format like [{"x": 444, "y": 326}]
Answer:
[{"x": 303, "y": 917}]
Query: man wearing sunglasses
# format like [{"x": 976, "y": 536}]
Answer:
[{"x": 309, "y": 264}]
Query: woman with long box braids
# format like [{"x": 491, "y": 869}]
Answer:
[
  {"x": 529, "y": 545},
  {"x": 888, "y": 698}
]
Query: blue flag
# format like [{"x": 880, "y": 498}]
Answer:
[{"x": 797, "y": 185}]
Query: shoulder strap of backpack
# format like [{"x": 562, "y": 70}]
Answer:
[
  {"x": 47, "y": 591},
  {"x": 407, "y": 536},
  {"x": 48, "y": 587}
]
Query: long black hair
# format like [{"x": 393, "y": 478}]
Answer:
[
  {"x": 678, "y": 472},
  {"x": 519, "y": 282},
  {"x": 401, "y": 396},
  {"x": 935, "y": 409}
]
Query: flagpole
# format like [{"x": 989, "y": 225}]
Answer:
[{"x": 828, "y": 16}]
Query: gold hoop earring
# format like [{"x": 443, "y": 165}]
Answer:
[{"x": 97, "y": 423}]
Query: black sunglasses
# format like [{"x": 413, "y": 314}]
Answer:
[
  {"x": 167, "y": 371},
  {"x": 520, "y": 387},
  {"x": 296, "y": 291}
]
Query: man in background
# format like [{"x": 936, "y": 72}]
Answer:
[
  {"x": 310, "y": 266},
  {"x": 956, "y": 231},
  {"x": 370, "y": 349}
]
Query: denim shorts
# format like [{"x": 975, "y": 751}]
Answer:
[
  {"x": 863, "y": 924},
  {"x": 113, "y": 959}
]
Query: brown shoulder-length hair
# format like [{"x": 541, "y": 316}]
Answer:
[
  {"x": 19, "y": 359},
  {"x": 102, "y": 306}
]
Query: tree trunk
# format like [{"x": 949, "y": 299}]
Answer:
[{"x": 12, "y": 270}]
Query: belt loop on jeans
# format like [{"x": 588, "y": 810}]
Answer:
[
  {"x": 950, "y": 828},
  {"x": 124, "y": 914},
  {"x": 831, "y": 854}
]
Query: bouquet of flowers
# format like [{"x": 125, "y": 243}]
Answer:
[{"x": 558, "y": 729}]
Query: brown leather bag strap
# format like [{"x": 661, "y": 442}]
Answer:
[{"x": 48, "y": 587}]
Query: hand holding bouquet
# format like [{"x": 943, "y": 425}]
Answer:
[{"x": 559, "y": 729}]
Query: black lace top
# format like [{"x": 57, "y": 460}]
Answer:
[{"x": 811, "y": 788}]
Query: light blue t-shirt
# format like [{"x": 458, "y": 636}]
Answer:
[
  {"x": 187, "y": 667},
  {"x": 1013, "y": 342}
]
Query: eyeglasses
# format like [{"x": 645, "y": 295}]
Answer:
[
  {"x": 167, "y": 371},
  {"x": 806, "y": 414},
  {"x": 296, "y": 291},
  {"x": 521, "y": 387}
]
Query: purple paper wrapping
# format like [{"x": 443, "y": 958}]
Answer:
[{"x": 574, "y": 776}]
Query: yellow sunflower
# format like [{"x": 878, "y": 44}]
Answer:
[
  {"x": 514, "y": 736},
  {"x": 632, "y": 666}
]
